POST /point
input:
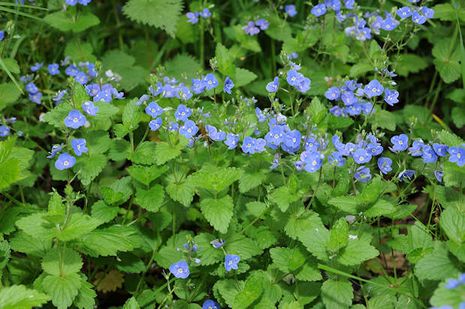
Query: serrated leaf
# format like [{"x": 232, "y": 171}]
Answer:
[
  {"x": 86, "y": 297},
  {"x": 182, "y": 192},
  {"x": 214, "y": 178},
  {"x": 357, "y": 251},
  {"x": 165, "y": 152},
  {"x": 109, "y": 282},
  {"x": 64, "y": 21},
  {"x": 163, "y": 14},
  {"x": 108, "y": 241},
  {"x": 283, "y": 197},
  {"x": 20, "y": 297},
  {"x": 183, "y": 66},
  {"x": 146, "y": 174},
  {"x": 453, "y": 224},
  {"x": 337, "y": 294},
  {"x": 436, "y": 265},
  {"x": 249, "y": 181},
  {"x": 218, "y": 212},
  {"x": 62, "y": 289},
  {"x": 62, "y": 262},
  {"x": 151, "y": 199},
  {"x": 9, "y": 93},
  {"x": 77, "y": 226},
  {"x": 89, "y": 167},
  {"x": 410, "y": 63}
]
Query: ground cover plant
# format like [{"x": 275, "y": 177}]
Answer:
[{"x": 232, "y": 154}]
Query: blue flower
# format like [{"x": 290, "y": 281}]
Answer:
[
  {"x": 84, "y": 2},
  {"x": 228, "y": 85},
  {"x": 297, "y": 80},
  {"x": 231, "y": 261},
  {"x": 53, "y": 69},
  {"x": 361, "y": 156},
  {"x": 385, "y": 165},
  {"x": 232, "y": 140},
  {"x": 210, "y": 304},
  {"x": 55, "y": 149},
  {"x": 71, "y": 2},
  {"x": 291, "y": 141},
  {"x": 348, "y": 98},
  {"x": 273, "y": 86},
  {"x": 79, "y": 146},
  {"x": 389, "y": 23},
  {"x": 210, "y": 81},
  {"x": 418, "y": 18},
  {"x": 214, "y": 134},
  {"x": 217, "y": 243},
  {"x": 182, "y": 112},
  {"x": 428, "y": 154},
  {"x": 180, "y": 269},
  {"x": 173, "y": 126},
  {"x": 290, "y": 10},
  {"x": 65, "y": 161},
  {"x": 404, "y": 12},
  {"x": 198, "y": 85},
  {"x": 183, "y": 93},
  {"x": 2, "y": 35},
  {"x": 31, "y": 88},
  {"x": 205, "y": 13},
  {"x": 399, "y": 142},
  {"x": 71, "y": 70},
  {"x": 81, "y": 78},
  {"x": 427, "y": 12},
  {"x": 248, "y": 145},
  {"x": 439, "y": 175},
  {"x": 457, "y": 155},
  {"x": 4, "y": 131},
  {"x": 373, "y": 89},
  {"x": 36, "y": 97},
  {"x": 349, "y": 4},
  {"x": 251, "y": 28},
  {"x": 274, "y": 137},
  {"x": 406, "y": 175},
  {"x": 89, "y": 108},
  {"x": 319, "y": 10},
  {"x": 155, "y": 124},
  {"x": 333, "y": 93},
  {"x": 336, "y": 158},
  {"x": 362, "y": 174},
  {"x": 144, "y": 98},
  {"x": 417, "y": 148},
  {"x": 154, "y": 110},
  {"x": 75, "y": 119},
  {"x": 391, "y": 96},
  {"x": 192, "y": 17},
  {"x": 312, "y": 161},
  {"x": 36, "y": 67},
  {"x": 440, "y": 149},
  {"x": 188, "y": 129},
  {"x": 263, "y": 24}
]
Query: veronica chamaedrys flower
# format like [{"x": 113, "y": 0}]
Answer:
[
  {"x": 81, "y": 78},
  {"x": 416, "y": 150},
  {"x": 232, "y": 140},
  {"x": 228, "y": 85},
  {"x": 89, "y": 108},
  {"x": 290, "y": 10},
  {"x": 406, "y": 175},
  {"x": 79, "y": 146},
  {"x": 4, "y": 131},
  {"x": 391, "y": 97},
  {"x": 319, "y": 10},
  {"x": 336, "y": 159},
  {"x": 231, "y": 262},
  {"x": 55, "y": 149},
  {"x": 71, "y": 2},
  {"x": 312, "y": 161},
  {"x": 53, "y": 69},
  {"x": 31, "y": 88},
  {"x": 210, "y": 81},
  {"x": 155, "y": 124},
  {"x": 251, "y": 28},
  {"x": 439, "y": 175},
  {"x": 362, "y": 174},
  {"x": 349, "y": 98},
  {"x": 36, "y": 67},
  {"x": 263, "y": 24},
  {"x": 75, "y": 119},
  {"x": 440, "y": 149},
  {"x": 291, "y": 141},
  {"x": 217, "y": 243},
  {"x": 361, "y": 156},
  {"x": 385, "y": 165},
  {"x": 457, "y": 155},
  {"x": 373, "y": 89},
  {"x": 273, "y": 86},
  {"x": 418, "y": 17},
  {"x": 180, "y": 269},
  {"x": 248, "y": 145},
  {"x": 188, "y": 129},
  {"x": 389, "y": 23},
  {"x": 65, "y": 161},
  {"x": 404, "y": 12},
  {"x": 333, "y": 93},
  {"x": 153, "y": 110},
  {"x": 210, "y": 304},
  {"x": 182, "y": 112},
  {"x": 428, "y": 155},
  {"x": 192, "y": 17},
  {"x": 214, "y": 134},
  {"x": 2, "y": 35},
  {"x": 183, "y": 93},
  {"x": 36, "y": 97},
  {"x": 399, "y": 143}
]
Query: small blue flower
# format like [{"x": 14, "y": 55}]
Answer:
[
  {"x": 336, "y": 158},
  {"x": 248, "y": 145},
  {"x": 36, "y": 67},
  {"x": 36, "y": 97},
  {"x": 373, "y": 89},
  {"x": 180, "y": 269},
  {"x": 198, "y": 86},
  {"x": 333, "y": 93},
  {"x": 154, "y": 110},
  {"x": 228, "y": 85},
  {"x": 418, "y": 18},
  {"x": 214, "y": 134},
  {"x": 81, "y": 78},
  {"x": 457, "y": 155},
  {"x": 210, "y": 304},
  {"x": 452, "y": 284},
  {"x": 173, "y": 126},
  {"x": 89, "y": 108},
  {"x": 291, "y": 141},
  {"x": 428, "y": 154},
  {"x": 290, "y": 10},
  {"x": 183, "y": 93},
  {"x": 348, "y": 98},
  {"x": 391, "y": 96},
  {"x": 210, "y": 81},
  {"x": 4, "y": 131},
  {"x": 182, "y": 112},
  {"x": 205, "y": 13},
  {"x": 361, "y": 156},
  {"x": 72, "y": 70},
  {"x": 362, "y": 174},
  {"x": 217, "y": 243},
  {"x": 188, "y": 129},
  {"x": 349, "y": 4},
  {"x": 399, "y": 142},
  {"x": 251, "y": 28},
  {"x": 389, "y": 23},
  {"x": 79, "y": 146},
  {"x": 54, "y": 69},
  {"x": 417, "y": 148},
  {"x": 84, "y": 2},
  {"x": 65, "y": 161},
  {"x": 385, "y": 165},
  {"x": 2, "y": 35},
  {"x": 319, "y": 10},
  {"x": 232, "y": 140},
  {"x": 440, "y": 149},
  {"x": 155, "y": 124},
  {"x": 273, "y": 86},
  {"x": 406, "y": 175},
  {"x": 263, "y": 24},
  {"x": 312, "y": 161},
  {"x": 71, "y": 2},
  {"x": 75, "y": 119},
  {"x": 439, "y": 175},
  {"x": 192, "y": 17},
  {"x": 404, "y": 12},
  {"x": 427, "y": 12},
  {"x": 144, "y": 98},
  {"x": 31, "y": 88},
  {"x": 231, "y": 261},
  {"x": 55, "y": 149}
]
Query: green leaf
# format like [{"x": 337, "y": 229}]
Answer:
[
  {"x": 228, "y": 289},
  {"x": 89, "y": 167},
  {"x": 77, "y": 226},
  {"x": 447, "y": 60},
  {"x": 11, "y": 65},
  {"x": 86, "y": 297},
  {"x": 338, "y": 236},
  {"x": 146, "y": 174},
  {"x": 244, "y": 77},
  {"x": 163, "y": 14},
  {"x": 253, "y": 289},
  {"x": 183, "y": 66},
  {"x": 218, "y": 212},
  {"x": 63, "y": 290},
  {"x": 249, "y": 181},
  {"x": 25, "y": 243},
  {"x": 20, "y": 297},
  {"x": 347, "y": 204},
  {"x": 214, "y": 178},
  {"x": 165, "y": 152},
  {"x": 447, "y": 12},
  {"x": 436, "y": 265},
  {"x": 118, "y": 192},
  {"x": 279, "y": 29},
  {"x": 131, "y": 303},
  {"x": 410, "y": 63},
  {"x": 357, "y": 251},
  {"x": 337, "y": 294},
  {"x": 62, "y": 262},
  {"x": 36, "y": 226},
  {"x": 283, "y": 197},
  {"x": 453, "y": 224},
  {"x": 359, "y": 69},
  {"x": 131, "y": 116},
  {"x": 9, "y": 94},
  {"x": 225, "y": 60},
  {"x": 79, "y": 51},
  {"x": 384, "y": 120},
  {"x": 65, "y": 21},
  {"x": 144, "y": 153},
  {"x": 458, "y": 116},
  {"x": 180, "y": 191},
  {"x": 449, "y": 138},
  {"x": 151, "y": 199},
  {"x": 108, "y": 241},
  {"x": 295, "y": 260},
  {"x": 56, "y": 116}
]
